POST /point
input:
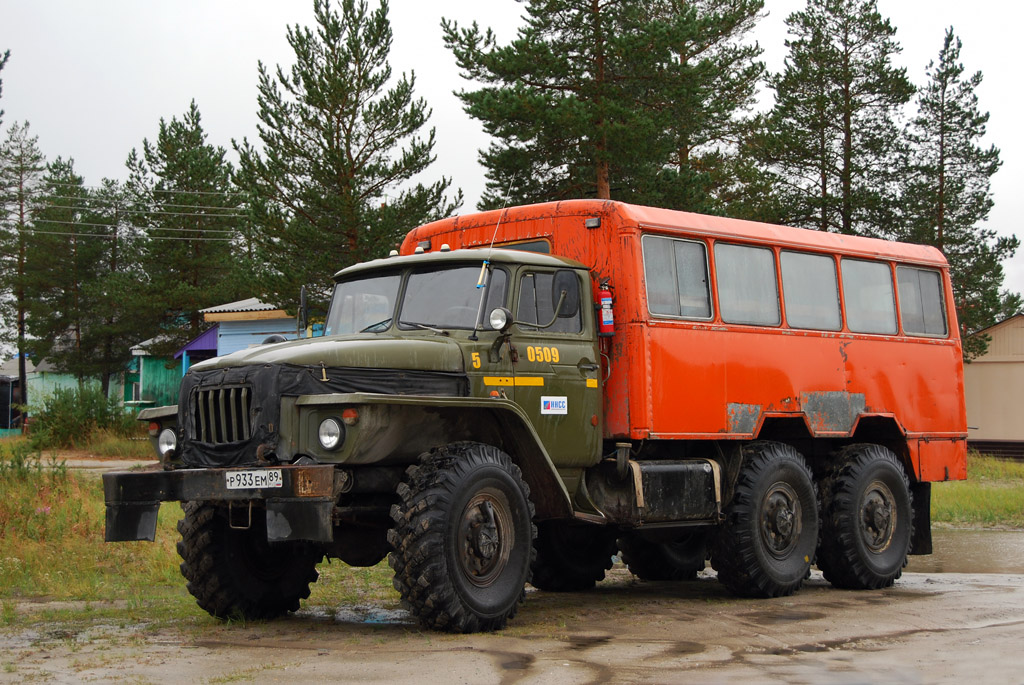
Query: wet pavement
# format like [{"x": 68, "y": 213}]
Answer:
[
  {"x": 972, "y": 551},
  {"x": 930, "y": 628}
]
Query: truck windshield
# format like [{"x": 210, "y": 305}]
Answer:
[{"x": 438, "y": 298}]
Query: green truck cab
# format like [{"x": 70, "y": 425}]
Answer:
[{"x": 452, "y": 406}]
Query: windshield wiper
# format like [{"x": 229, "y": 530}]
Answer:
[
  {"x": 423, "y": 326},
  {"x": 382, "y": 322}
]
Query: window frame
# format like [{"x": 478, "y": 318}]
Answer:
[
  {"x": 772, "y": 250},
  {"x": 529, "y": 329},
  {"x": 943, "y": 308},
  {"x": 893, "y": 289},
  {"x": 831, "y": 258},
  {"x": 707, "y": 272}
]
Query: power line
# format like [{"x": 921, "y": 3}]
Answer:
[
  {"x": 109, "y": 236},
  {"x": 162, "y": 204},
  {"x": 133, "y": 226},
  {"x": 223, "y": 193}
]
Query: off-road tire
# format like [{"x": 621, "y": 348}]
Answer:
[
  {"x": 766, "y": 544},
  {"x": 237, "y": 574},
  {"x": 866, "y": 519},
  {"x": 571, "y": 558},
  {"x": 681, "y": 559},
  {"x": 463, "y": 538}
]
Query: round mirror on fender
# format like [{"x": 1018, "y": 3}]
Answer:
[
  {"x": 500, "y": 319},
  {"x": 275, "y": 338}
]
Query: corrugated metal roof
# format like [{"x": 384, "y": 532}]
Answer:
[
  {"x": 10, "y": 367},
  {"x": 249, "y": 305}
]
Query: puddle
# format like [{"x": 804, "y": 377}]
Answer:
[
  {"x": 373, "y": 616},
  {"x": 367, "y": 614},
  {"x": 972, "y": 551}
]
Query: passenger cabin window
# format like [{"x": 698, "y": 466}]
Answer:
[
  {"x": 748, "y": 291},
  {"x": 676, "y": 273},
  {"x": 921, "y": 306},
  {"x": 811, "y": 291},
  {"x": 867, "y": 292},
  {"x": 537, "y": 305}
]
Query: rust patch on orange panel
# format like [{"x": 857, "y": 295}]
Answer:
[
  {"x": 832, "y": 412},
  {"x": 743, "y": 417}
]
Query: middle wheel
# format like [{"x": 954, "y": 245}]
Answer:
[
  {"x": 766, "y": 545},
  {"x": 571, "y": 558}
]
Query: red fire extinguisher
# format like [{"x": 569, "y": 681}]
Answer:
[{"x": 606, "y": 325}]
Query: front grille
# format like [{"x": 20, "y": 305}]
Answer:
[{"x": 221, "y": 415}]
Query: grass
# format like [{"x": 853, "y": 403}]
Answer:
[
  {"x": 992, "y": 495},
  {"x": 100, "y": 444},
  {"x": 53, "y": 555}
]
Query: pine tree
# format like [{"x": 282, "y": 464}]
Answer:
[
  {"x": 183, "y": 197},
  {"x": 21, "y": 165},
  {"x": 3, "y": 61},
  {"x": 834, "y": 132},
  {"x": 947, "y": 197},
  {"x": 59, "y": 263},
  {"x": 341, "y": 144},
  {"x": 707, "y": 83},
  {"x": 633, "y": 99},
  {"x": 80, "y": 256}
]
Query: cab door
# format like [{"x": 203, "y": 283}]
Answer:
[{"x": 556, "y": 367}]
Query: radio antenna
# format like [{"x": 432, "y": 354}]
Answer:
[{"x": 483, "y": 280}]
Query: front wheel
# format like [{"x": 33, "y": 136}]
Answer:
[
  {"x": 867, "y": 519},
  {"x": 463, "y": 538},
  {"x": 236, "y": 573},
  {"x": 766, "y": 544}
]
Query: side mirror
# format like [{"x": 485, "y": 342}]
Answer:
[{"x": 565, "y": 285}]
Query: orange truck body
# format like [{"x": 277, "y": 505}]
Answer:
[{"x": 677, "y": 379}]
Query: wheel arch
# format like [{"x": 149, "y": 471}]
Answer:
[{"x": 441, "y": 421}]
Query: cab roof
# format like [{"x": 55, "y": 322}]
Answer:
[{"x": 475, "y": 256}]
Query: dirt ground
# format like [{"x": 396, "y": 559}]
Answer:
[{"x": 930, "y": 628}]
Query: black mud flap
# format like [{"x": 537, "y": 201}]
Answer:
[
  {"x": 921, "y": 543},
  {"x": 299, "y": 519},
  {"x": 131, "y": 521}
]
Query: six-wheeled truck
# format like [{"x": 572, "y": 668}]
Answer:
[{"x": 520, "y": 394}]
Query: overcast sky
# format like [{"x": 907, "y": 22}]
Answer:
[{"x": 94, "y": 78}]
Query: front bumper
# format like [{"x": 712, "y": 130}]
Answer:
[{"x": 298, "y": 510}]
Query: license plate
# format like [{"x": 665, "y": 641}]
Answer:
[{"x": 253, "y": 479}]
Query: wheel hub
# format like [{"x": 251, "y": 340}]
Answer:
[
  {"x": 780, "y": 520},
  {"x": 485, "y": 538},
  {"x": 878, "y": 517}
]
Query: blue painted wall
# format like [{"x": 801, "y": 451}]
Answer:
[{"x": 239, "y": 335}]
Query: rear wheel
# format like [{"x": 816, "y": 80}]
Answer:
[
  {"x": 463, "y": 538},
  {"x": 766, "y": 544},
  {"x": 679, "y": 559},
  {"x": 236, "y": 573},
  {"x": 867, "y": 519},
  {"x": 571, "y": 558}
]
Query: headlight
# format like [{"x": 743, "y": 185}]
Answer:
[
  {"x": 167, "y": 441},
  {"x": 331, "y": 434},
  {"x": 500, "y": 319}
]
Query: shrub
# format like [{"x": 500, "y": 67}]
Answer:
[{"x": 70, "y": 417}]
